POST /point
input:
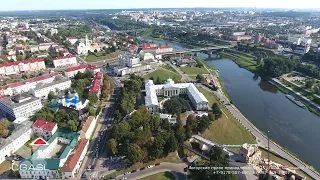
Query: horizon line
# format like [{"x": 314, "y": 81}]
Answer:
[{"x": 161, "y": 8}]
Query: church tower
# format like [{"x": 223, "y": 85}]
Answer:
[{"x": 87, "y": 41}]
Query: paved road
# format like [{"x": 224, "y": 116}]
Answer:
[
  {"x": 176, "y": 169},
  {"x": 184, "y": 76}
]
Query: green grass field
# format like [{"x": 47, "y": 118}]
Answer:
[
  {"x": 93, "y": 58},
  {"x": 160, "y": 176},
  {"x": 192, "y": 72},
  {"x": 163, "y": 75},
  {"x": 243, "y": 61},
  {"x": 226, "y": 130}
]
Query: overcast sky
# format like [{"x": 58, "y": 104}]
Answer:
[{"x": 9, "y": 5}]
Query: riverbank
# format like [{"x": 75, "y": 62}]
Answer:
[{"x": 243, "y": 61}]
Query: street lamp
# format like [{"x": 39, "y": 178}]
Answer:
[{"x": 268, "y": 151}]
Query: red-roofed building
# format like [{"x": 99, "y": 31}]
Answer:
[
  {"x": 20, "y": 49},
  {"x": 73, "y": 163},
  {"x": 67, "y": 60},
  {"x": 149, "y": 45},
  {"x": 64, "y": 52},
  {"x": 22, "y": 66},
  {"x": 95, "y": 87},
  {"x": 70, "y": 72},
  {"x": 88, "y": 127},
  {"x": 25, "y": 86},
  {"x": 44, "y": 128}
]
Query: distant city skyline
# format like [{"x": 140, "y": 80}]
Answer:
[{"x": 16, "y": 5}]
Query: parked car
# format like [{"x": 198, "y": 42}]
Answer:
[
  {"x": 127, "y": 173},
  {"x": 151, "y": 166},
  {"x": 157, "y": 164},
  {"x": 143, "y": 168},
  {"x": 134, "y": 171}
]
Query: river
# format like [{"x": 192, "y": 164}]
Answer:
[{"x": 268, "y": 109}]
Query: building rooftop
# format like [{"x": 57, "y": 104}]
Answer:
[
  {"x": 18, "y": 100},
  {"x": 75, "y": 156},
  {"x": 17, "y": 132},
  {"x": 64, "y": 57},
  {"x": 83, "y": 66},
  {"x": 87, "y": 124},
  {"x": 44, "y": 124},
  {"x": 57, "y": 80},
  {"x": 22, "y": 62}
]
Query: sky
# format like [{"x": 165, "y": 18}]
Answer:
[{"x": 10, "y": 5}]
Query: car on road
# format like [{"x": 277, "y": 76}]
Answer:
[
  {"x": 157, "y": 164},
  {"x": 134, "y": 171},
  {"x": 124, "y": 178},
  {"x": 127, "y": 173},
  {"x": 143, "y": 168},
  {"x": 151, "y": 166},
  {"x": 89, "y": 168},
  {"x": 186, "y": 169}
]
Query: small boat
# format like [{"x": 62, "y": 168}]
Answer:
[
  {"x": 296, "y": 101},
  {"x": 218, "y": 71}
]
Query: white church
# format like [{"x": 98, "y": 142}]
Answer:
[{"x": 87, "y": 45}]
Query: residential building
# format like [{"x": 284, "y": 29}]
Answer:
[
  {"x": 27, "y": 85},
  {"x": 146, "y": 56},
  {"x": 129, "y": 60},
  {"x": 95, "y": 87},
  {"x": 87, "y": 45},
  {"x": 67, "y": 60},
  {"x": 60, "y": 83},
  {"x": 122, "y": 71},
  {"x": 73, "y": 101},
  {"x": 64, "y": 52},
  {"x": 46, "y": 46},
  {"x": 70, "y": 72},
  {"x": 168, "y": 117},
  {"x": 170, "y": 89},
  {"x": 19, "y": 121},
  {"x": 88, "y": 127},
  {"x": 20, "y": 105},
  {"x": 22, "y": 66},
  {"x": 73, "y": 163},
  {"x": 61, "y": 146},
  {"x": 19, "y": 136},
  {"x": 43, "y": 128}
]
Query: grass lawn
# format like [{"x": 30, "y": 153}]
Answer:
[
  {"x": 160, "y": 176},
  {"x": 5, "y": 166},
  {"x": 93, "y": 58},
  {"x": 226, "y": 130},
  {"x": 193, "y": 70},
  {"x": 163, "y": 75},
  {"x": 243, "y": 61},
  {"x": 168, "y": 67},
  {"x": 172, "y": 157},
  {"x": 282, "y": 161}
]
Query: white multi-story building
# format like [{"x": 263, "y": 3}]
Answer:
[
  {"x": 44, "y": 128},
  {"x": 88, "y": 127},
  {"x": 20, "y": 135},
  {"x": 67, "y": 60},
  {"x": 60, "y": 83},
  {"x": 20, "y": 105},
  {"x": 46, "y": 46},
  {"x": 170, "y": 89},
  {"x": 129, "y": 60},
  {"x": 22, "y": 66},
  {"x": 74, "y": 161},
  {"x": 122, "y": 71},
  {"x": 70, "y": 72},
  {"x": 27, "y": 85}
]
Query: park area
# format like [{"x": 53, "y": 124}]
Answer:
[
  {"x": 162, "y": 75},
  {"x": 226, "y": 130},
  {"x": 101, "y": 56},
  {"x": 243, "y": 61},
  {"x": 193, "y": 71}
]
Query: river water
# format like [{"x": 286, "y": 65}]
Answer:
[{"x": 269, "y": 110}]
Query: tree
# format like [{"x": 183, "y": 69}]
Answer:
[
  {"x": 171, "y": 144},
  {"x": 175, "y": 105},
  {"x": 216, "y": 111},
  {"x": 157, "y": 147},
  {"x": 4, "y": 123},
  {"x": 19, "y": 57},
  {"x": 200, "y": 78},
  {"x": 93, "y": 98},
  {"x": 135, "y": 153},
  {"x": 155, "y": 122},
  {"x": 217, "y": 159},
  {"x": 211, "y": 116},
  {"x": 191, "y": 121},
  {"x": 309, "y": 84},
  {"x": 28, "y": 55},
  {"x": 112, "y": 146},
  {"x": 121, "y": 131},
  {"x": 73, "y": 124},
  {"x": 51, "y": 96},
  {"x": 92, "y": 111},
  {"x": 203, "y": 124},
  {"x": 98, "y": 110}
]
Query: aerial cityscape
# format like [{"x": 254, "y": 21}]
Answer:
[{"x": 133, "y": 90}]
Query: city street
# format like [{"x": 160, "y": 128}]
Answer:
[{"x": 176, "y": 169}]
